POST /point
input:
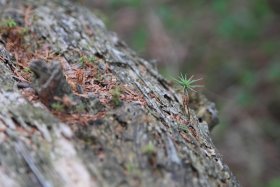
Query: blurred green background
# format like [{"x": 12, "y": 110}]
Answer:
[{"x": 235, "y": 46}]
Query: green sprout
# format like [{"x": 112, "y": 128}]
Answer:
[
  {"x": 116, "y": 94},
  {"x": 82, "y": 59},
  {"x": 27, "y": 70},
  {"x": 183, "y": 128},
  {"x": 130, "y": 167},
  {"x": 148, "y": 148},
  {"x": 91, "y": 59},
  {"x": 80, "y": 108},
  {"x": 10, "y": 23},
  {"x": 24, "y": 31},
  {"x": 57, "y": 106},
  {"x": 87, "y": 59},
  {"x": 188, "y": 85}
]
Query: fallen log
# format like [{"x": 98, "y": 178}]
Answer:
[{"x": 79, "y": 108}]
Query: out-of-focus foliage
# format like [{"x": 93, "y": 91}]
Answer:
[
  {"x": 274, "y": 183},
  {"x": 121, "y": 3}
]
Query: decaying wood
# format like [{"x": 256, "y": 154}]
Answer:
[{"x": 127, "y": 127}]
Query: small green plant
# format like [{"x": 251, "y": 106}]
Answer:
[
  {"x": 10, "y": 23},
  {"x": 183, "y": 128},
  {"x": 57, "y": 106},
  {"x": 116, "y": 94},
  {"x": 87, "y": 59},
  {"x": 82, "y": 59},
  {"x": 130, "y": 167},
  {"x": 80, "y": 108},
  {"x": 188, "y": 85},
  {"x": 148, "y": 149},
  {"x": 91, "y": 59},
  {"x": 27, "y": 70},
  {"x": 24, "y": 31}
]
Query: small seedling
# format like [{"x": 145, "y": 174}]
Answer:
[
  {"x": 82, "y": 59},
  {"x": 91, "y": 59},
  {"x": 182, "y": 128},
  {"x": 27, "y": 70},
  {"x": 116, "y": 94},
  {"x": 87, "y": 59},
  {"x": 148, "y": 149},
  {"x": 188, "y": 85},
  {"x": 10, "y": 23},
  {"x": 57, "y": 106},
  {"x": 24, "y": 31},
  {"x": 80, "y": 108},
  {"x": 130, "y": 167}
]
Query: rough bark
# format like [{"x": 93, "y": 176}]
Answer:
[{"x": 121, "y": 124}]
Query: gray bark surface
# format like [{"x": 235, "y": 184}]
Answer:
[{"x": 138, "y": 137}]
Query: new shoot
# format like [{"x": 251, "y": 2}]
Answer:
[{"x": 188, "y": 84}]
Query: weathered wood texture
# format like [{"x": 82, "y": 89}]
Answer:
[{"x": 135, "y": 136}]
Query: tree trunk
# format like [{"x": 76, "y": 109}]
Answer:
[{"x": 79, "y": 108}]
